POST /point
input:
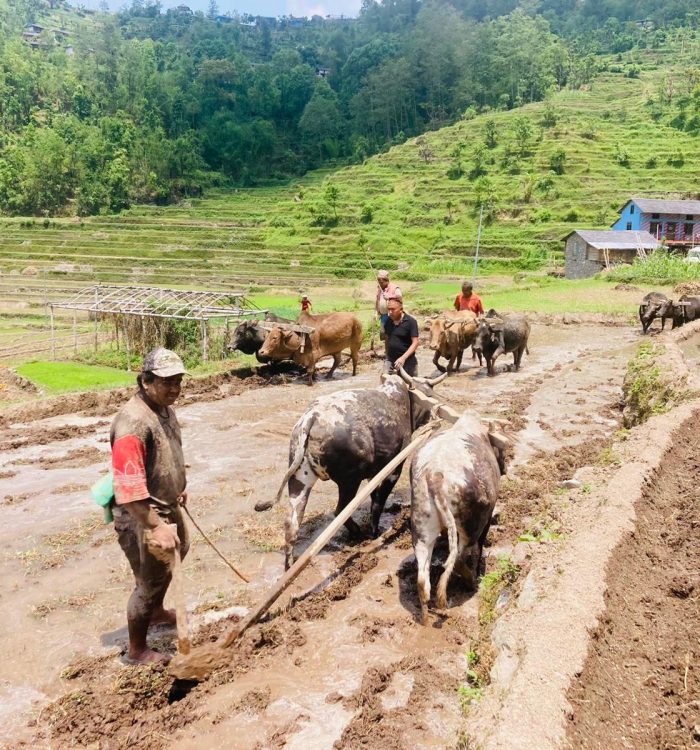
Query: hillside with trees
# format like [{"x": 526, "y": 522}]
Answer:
[{"x": 100, "y": 111}]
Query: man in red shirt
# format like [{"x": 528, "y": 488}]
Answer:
[
  {"x": 467, "y": 300},
  {"x": 149, "y": 486}
]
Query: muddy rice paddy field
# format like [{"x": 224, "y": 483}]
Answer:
[{"x": 341, "y": 661}]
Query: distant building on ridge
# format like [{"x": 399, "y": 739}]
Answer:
[{"x": 675, "y": 222}]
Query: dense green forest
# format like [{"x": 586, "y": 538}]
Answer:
[{"x": 98, "y": 111}]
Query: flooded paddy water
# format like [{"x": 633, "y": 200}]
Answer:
[{"x": 349, "y": 669}]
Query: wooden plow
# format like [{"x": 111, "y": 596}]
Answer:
[{"x": 202, "y": 660}]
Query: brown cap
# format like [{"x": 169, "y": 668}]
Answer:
[
  {"x": 382, "y": 274},
  {"x": 164, "y": 363}
]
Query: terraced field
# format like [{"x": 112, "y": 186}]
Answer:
[{"x": 423, "y": 224}]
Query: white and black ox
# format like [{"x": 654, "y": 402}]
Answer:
[
  {"x": 455, "y": 479},
  {"x": 349, "y": 436}
]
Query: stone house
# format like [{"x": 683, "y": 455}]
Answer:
[{"x": 589, "y": 251}]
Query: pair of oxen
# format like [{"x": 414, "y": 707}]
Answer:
[
  {"x": 657, "y": 305},
  {"x": 452, "y": 332},
  {"x": 351, "y": 435},
  {"x": 331, "y": 334}
]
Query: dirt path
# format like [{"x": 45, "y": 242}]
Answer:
[
  {"x": 320, "y": 679},
  {"x": 640, "y": 687}
]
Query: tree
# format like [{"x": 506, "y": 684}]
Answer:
[
  {"x": 212, "y": 10},
  {"x": 557, "y": 161},
  {"x": 491, "y": 133},
  {"x": 331, "y": 195},
  {"x": 522, "y": 133},
  {"x": 321, "y": 121},
  {"x": 478, "y": 163}
]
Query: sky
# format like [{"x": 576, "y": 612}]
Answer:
[{"x": 259, "y": 7}]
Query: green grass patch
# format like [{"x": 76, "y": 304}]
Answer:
[
  {"x": 491, "y": 586},
  {"x": 660, "y": 268},
  {"x": 61, "y": 377},
  {"x": 646, "y": 390}
]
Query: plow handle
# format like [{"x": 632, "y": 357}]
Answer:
[{"x": 321, "y": 540}]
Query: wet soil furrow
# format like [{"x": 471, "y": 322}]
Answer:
[{"x": 640, "y": 687}]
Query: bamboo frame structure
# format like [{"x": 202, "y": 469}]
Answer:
[{"x": 156, "y": 302}]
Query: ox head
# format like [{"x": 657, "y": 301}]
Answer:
[
  {"x": 280, "y": 344},
  {"x": 655, "y": 305},
  {"x": 487, "y": 334},
  {"x": 420, "y": 412},
  {"x": 247, "y": 337},
  {"x": 437, "y": 329}
]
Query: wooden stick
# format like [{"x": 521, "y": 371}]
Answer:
[
  {"x": 183, "y": 635},
  {"x": 214, "y": 547},
  {"x": 321, "y": 540}
]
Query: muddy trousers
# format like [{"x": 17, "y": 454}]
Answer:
[{"x": 151, "y": 576}]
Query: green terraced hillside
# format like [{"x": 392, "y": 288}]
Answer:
[{"x": 424, "y": 213}]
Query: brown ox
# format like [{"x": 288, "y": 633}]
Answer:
[
  {"x": 333, "y": 333},
  {"x": 450, "y": 334}
]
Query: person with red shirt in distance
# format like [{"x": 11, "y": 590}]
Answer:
[
  {"x": 467, "y": 300},
  {"x": 306, "y": 303},
  {"x": 149, "y": 486}
]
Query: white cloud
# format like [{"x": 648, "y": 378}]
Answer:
[{"x": 329, "y": 7}]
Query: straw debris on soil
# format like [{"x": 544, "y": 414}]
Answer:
[{"x": 375, "y": 728}]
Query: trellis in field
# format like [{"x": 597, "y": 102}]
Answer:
[{"x": 155, "y": 302}]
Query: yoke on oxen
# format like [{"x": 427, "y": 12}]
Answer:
[{"x": 303, "y": 331}]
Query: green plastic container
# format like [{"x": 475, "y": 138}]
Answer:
[{"x": 103, "y": 494}]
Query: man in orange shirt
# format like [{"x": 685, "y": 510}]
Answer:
[{"x": 467, "y": 300}]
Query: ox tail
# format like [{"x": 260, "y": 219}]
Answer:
[
  {"x": 445, "y": 512},
  {"x": 299, "y": 452}
]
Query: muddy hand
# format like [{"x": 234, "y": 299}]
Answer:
[{"x": 162, "y": 541}]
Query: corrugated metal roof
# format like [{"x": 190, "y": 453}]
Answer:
[
  {"x": 653, "y": 206},
  {"x": 617, "y": 240}
]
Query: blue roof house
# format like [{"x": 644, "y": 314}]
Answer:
[{"x": 677, "y": 222}]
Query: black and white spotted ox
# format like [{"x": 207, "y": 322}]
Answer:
[
  {"x": 348, "y": 436},
  {"x": 454, "y": 485}
]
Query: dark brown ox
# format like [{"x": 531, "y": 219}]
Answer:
[
  {"x": 333, "y": 333},
  {"x": 450, "y": 334},
  {"x": 348, "y": 436},
  {"x": 454, "y": 485}
]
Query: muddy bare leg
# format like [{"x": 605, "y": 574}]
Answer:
[{"x": 299, "y": 487}]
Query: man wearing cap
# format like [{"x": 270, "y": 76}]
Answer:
[
  {"x": 385, "y": 291},
  {"x": 149, "y": 485},
  {"x": 467, "y": 300}
]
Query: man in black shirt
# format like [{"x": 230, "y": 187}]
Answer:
[{"x": 401, "y": 339}]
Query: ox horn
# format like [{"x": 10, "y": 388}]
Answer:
[
  {"x": 432, "y": 382},
  {"x": 406, "y": 377}
]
